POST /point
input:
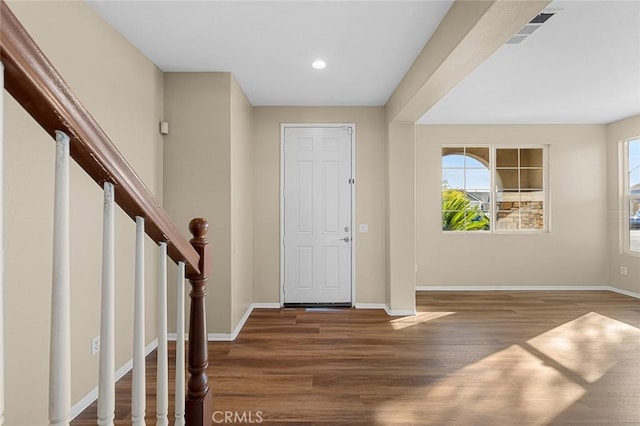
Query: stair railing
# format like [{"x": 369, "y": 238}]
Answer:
[{"x": 31, "y": 79}]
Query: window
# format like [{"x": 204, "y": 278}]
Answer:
[
  {"x": 493, "y": 189},
  {"x": 466, "y": 189},
  {"x": 632, "y": 194}
]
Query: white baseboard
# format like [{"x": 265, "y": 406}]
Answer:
[
  {"x": 82, "y": 405},
  {"x": 266, "y": 305},
  {"x": 230, "y": 337},
  {"x": 625, "y": 292},
  {"x": 513, "y": 288},
  {"x": 89, "y": 398},
  {"x": 530, "y": 288},
  {"x": 371, "y": 306},
  {"x": 400, "y": 312},
  {"x": 219, "y": 337},
  {"x": 390, "y": 312}
]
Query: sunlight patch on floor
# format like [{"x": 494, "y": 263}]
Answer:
[
  {"x": 589, "y": 345},
  {"x": 418, "y": 318},
  {"x": 507, "y": 385}
]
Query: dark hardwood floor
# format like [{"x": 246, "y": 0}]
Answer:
[{"x": 467, "y": 358}]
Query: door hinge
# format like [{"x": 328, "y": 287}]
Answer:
[{"x": 352, "y": 181}]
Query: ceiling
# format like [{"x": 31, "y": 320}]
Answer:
[
  {"x": 581, "y": 66},
  {"x": 269, "y": 45}
]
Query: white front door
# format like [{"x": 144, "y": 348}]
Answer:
[{"x": 317, "y": 214}]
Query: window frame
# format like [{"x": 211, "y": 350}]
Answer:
[
  {"x": 626, "y": 197},
  {"x": 494, "y": 190},
  {"x": 464, "y": 169}
]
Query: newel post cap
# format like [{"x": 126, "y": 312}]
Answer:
[{"x": 198, "y": 228}]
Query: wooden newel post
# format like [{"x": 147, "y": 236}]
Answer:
[{"x": 198, "y": 402}]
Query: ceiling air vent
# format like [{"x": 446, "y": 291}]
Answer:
[
  {"x": 516, "y": 39},
  {"x": 528, "y": 29},
  {"x": 532, "y": 26},
  {"x": 541, "y": 18}
]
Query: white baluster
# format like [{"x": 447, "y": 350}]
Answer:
[
  {"x": 107, "y": 384},
  {"x": 138, "y": 387},
  {"x": 60, "y": 349},
  {"x": 162, "y": 390},
  {"x": 1, "y": 248},
  {"x": 180, "y": 373}
]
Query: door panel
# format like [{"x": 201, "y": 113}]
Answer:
[{"x": 317, "y": 215}]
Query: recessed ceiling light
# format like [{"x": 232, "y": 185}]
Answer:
[{"x": 319, "y": 64}]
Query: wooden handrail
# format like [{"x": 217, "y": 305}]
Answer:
[{"x": 33, "y": 81}]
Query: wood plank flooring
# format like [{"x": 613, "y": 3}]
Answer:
[{"x": 467, "y": 358}]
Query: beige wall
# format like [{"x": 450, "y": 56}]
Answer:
[
  {"x": 574, "y": 252},
  {"x": 241, "y": 203},
  {"x": 123, "y": 91},
  {"x": 208, "y": 173},
  {"x": 370, "y": 196},
  {"x": 617, "y": 132},
  {"x": 197, "y": 173},
  {"x": 401, "y": 217}
]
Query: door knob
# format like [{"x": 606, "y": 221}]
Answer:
[{"x": 345, "y": 239}]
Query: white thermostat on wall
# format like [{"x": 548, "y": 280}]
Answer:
[{"x": 363, "y": 228}]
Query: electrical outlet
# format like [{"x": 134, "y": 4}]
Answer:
[
  {"x": 623, "y": 270},
  {"x": 95, "y": 345}
]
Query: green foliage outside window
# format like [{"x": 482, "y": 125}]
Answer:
[{"x": 459, "y": 215}]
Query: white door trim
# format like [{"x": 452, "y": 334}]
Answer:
[{"x": 353, "y": 201}]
